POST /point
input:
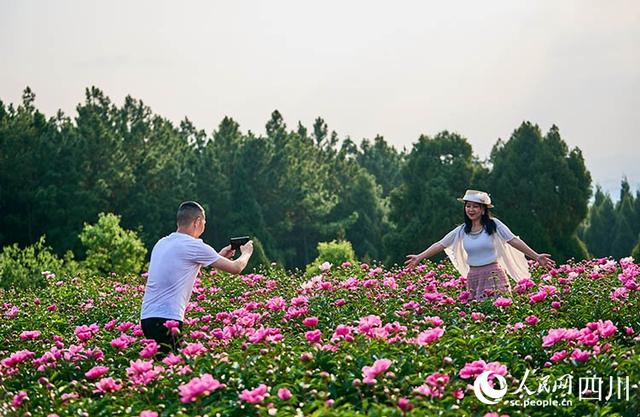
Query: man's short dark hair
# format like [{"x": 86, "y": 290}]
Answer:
[{"x": 188, "y": 212}]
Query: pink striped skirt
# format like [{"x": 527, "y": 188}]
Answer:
[{"x": 487, "y": 281}]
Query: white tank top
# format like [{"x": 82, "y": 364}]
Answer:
[{"x": 480, "y": 248}]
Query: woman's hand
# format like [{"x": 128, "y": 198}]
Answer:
[
  {"x": 412, "y": 261},
  {"x": 544, "y": 259}
]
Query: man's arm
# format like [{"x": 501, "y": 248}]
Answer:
[{"x": 235, "y": 266}]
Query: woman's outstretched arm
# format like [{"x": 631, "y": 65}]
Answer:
[
  {"x": 413, "y": 260},
  {"x": 544, "y": 259}
]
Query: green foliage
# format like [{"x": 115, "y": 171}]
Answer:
[
  {"x": 541, "y": 189},
  {"x": 259, "y": 257},
  {"x": 23, "y": 268},
  {"x": 636, "y": 251},
  {"x": 110, "y": 248},
  {"x": 625, "y": 232},
  {"x": 334, "y": 252},
  {"x": 424, "y": 207},
  {"x": 290, "y": 187},
  {"x": 613, "y": 230},
  {"x": 382, "y": 161},
  {"x": 472, "y": 331},
  {"x": 360, "y": 216}
]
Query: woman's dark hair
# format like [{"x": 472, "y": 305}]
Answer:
[{"x": 486, "y": 220}]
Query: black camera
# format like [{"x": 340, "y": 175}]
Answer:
[{"x": 236, "y": 242}]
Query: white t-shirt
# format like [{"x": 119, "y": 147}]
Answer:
[
  {"x": 480, "y": 247},
  {"x": 175, "y": 262}
]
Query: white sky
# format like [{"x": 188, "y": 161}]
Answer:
[{"x": 398, "y": 69}]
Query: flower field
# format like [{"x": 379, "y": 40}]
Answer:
[{"x": 356, "y": 340}]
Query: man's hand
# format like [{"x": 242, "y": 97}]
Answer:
[
  {"x": 247, "y": 248},
  {"x": 227, "y": 252}
]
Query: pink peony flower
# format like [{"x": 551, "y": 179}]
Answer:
[
  {"x": 149, "y": 350},
  {"x": 111, "y": 324},
  {"x": 194, "y": 349},
  {"x": 370, "y": 373},
  {"x": 429, "y": 336},
  {"x": 143, "y": 372},
  {"x": 172, "y": 360},
  {"x": 84, "y": 332},
  {"x": 12, "y": 313},
  {"x": 122, "y": 342},
  {"x": 123, "y": 327},
  {"x": 554, "y": 336},
  {"x": 313, "y": 336},
  {"x": 476, "y": 316},
  {"x": 277, "y": 304},
  {"x": 558, "y": 356},
  {"x": 368, "y": 322},
  {"x": 29, "y": 335},
  {"x": 436, "y": 321},
  {"x": 284, "y": 394},
  {"x": 96, "y": 372},
  {"x": 173, "y": 326},
  {"x": 148, "y": 413},
  {"x": 256, "y": 395},
  {"x": 606, "y": 328},
  {"x": 310, "y": 321},
  {"x": 532, "y": 320},
  {"x": 19, "y": 398},
  {"x": 580, "y": 356},
  {"x": 434, "y": 386},
  {"x": 475, "y": 368},
  {"x": 325, "y": 266},
  {"x": 107, "y": 385},
  {"x": 405, "y": 405},
  {"x": 198, "y": 387},
  {"x": 17, "y": 358},
  {"x": 502, "y": 302}
]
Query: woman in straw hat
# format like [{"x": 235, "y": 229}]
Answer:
[{"x": 483, "y": 249}]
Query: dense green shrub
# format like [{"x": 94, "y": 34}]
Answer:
[
  {"x": 23, "y": 268},
  {"x": 334, "y": 252},
  {"x": 110, "y": 248}
]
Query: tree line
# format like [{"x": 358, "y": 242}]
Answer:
[{"x": 290, "y": 188}]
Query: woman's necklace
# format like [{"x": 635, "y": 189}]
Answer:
[{"x": 476, "y": 232}]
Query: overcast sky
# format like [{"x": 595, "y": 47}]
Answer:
[{"x": 398, "y": 69}]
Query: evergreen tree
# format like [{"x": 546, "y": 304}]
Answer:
[
  {"x": 382, "y": 161},
  {"x": 541, "y": 190},
  {"x": 624, "y": 235},
  {"x": 424, "y": 207},
  {"x": 601, "y": 222}
]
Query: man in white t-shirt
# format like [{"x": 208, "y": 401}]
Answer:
[{"x": 175, "y": 262}]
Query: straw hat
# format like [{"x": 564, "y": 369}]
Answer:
[{"x": 476, "y": 196}]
